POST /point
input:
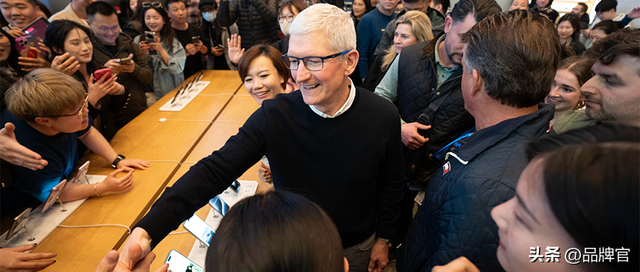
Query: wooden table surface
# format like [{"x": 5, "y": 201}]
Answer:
[
  {"x": 165, "y": 145},
  {"x": 226, "y": 125}
]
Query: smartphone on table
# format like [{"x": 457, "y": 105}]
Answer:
[
  {"x": 219, "y": 205},
  {"x": 199, "y": 229},
  {"x": 179, "y": 263}
]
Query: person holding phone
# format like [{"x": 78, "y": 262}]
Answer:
[
  {"x": 217, "y": 36},
  {"x": 168, "y": 60},
  {"x": 190, "y": 36},
  {"x": 115, "y": 50},
  {"x": 69, "y": 39}
]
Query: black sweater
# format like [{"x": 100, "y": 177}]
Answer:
[{"x": 351, "y": 165}]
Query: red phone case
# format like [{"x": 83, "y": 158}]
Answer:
[{"x": 97, "y": 75}]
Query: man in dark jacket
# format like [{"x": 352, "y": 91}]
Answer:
[
  {"x": 109, "y": 46},
  {"x": 425, "y": 80},
  {"x": 481, "y": 169},
  {"x": 257, "y": 20}
]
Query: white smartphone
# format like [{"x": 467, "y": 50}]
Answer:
[
  {"x": 199, "y": 229},
  {"x": 178, "y": 262},
  {"x": 219, "y": 205}
]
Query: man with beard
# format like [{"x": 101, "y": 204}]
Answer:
[
  {"x": 611, "y": 95},
  {"x": 424, "y": 82}
]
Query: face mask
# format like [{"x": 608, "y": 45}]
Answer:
[
  {"x": 209, "y": 16},
  {"x": 284, "y": 26}
]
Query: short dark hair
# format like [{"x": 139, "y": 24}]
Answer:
[
  {"x": 479, "y": 8},
  {"x": 101, "y": 7},
  {"x": 606, "y": 5},
  {"x": 268, "y": 51},
  {"x": 622, "y": 42},
  {"x": 167, "y": 2},
  {"x": 276, "y": 231},
  {"x": 299, "y": 4},
  {"x": 515, "y": 63},
  {"x": 584, "y": 6},
  {"x": 445, "y": 4},
  {"x": 607, "y": 26}
]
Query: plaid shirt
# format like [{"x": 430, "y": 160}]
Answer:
[{"x": 193, "y": 13}]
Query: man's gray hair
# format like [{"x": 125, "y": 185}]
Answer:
[{"x": 336, "y": 24}]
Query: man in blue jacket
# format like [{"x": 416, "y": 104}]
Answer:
[{"x": 481, "y": 168}]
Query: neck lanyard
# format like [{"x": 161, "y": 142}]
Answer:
[{"x": 440, "y": 153}]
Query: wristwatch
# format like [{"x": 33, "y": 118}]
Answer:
[
  {"x": 115, "y": 162},
  {"x": 388, "y": 241}
]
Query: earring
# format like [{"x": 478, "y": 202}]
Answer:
[{"x": 580, "y": 104}]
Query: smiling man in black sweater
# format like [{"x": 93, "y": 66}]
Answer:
[{"x": 333, "y": 143}]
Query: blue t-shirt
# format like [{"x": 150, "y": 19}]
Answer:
[
  {"x": 60, "y": 150},
  {"x": 369, "y": 31}
]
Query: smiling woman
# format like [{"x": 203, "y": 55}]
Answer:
[{"x": 263, "y": 72}]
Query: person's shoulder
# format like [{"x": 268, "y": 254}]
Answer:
[
  {"x": 369, "y": 15},
  {"x": 374, "y": 101}
]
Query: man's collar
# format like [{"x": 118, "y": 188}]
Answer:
[{"x": 344, "y": 108}]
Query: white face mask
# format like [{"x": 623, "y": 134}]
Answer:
[
  {"x": 209, "y": 16},
  {"x": 284, "y": 26}
]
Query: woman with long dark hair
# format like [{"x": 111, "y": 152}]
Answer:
[
  {"x": 569, "y": 33},
  {"x": 70, "y": 44},
  {"x": 165, "y": 54}
]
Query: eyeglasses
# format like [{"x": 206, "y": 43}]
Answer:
[
  {"x": 79, "y": 113},
  {"x": 115, "y": 28},
  {"x": 289, "y": 18},
  {"x": 312, "y": 63},
  {"x": 152, "y": 4}
]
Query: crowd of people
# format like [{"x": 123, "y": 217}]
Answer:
[{"x": 447, "y": 138}]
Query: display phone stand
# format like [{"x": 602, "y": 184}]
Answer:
[
  {"x": 61, "y": 205},
  {"x": 20, "y": 222}
]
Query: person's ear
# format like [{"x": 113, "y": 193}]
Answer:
[
  {"x": 439, "y": 7},
  {"x": 44, "y": 121},
  {"x": 448, "y": 23},
  {"x": 352, "y": 61},
  {"x": 477, "y": 82},
  {"x": 346, "y": 265}
]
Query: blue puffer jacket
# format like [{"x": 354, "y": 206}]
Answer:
[{"x": 455, "y": 217}]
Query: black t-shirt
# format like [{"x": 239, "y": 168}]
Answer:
[{"x": 194, "y": 63}]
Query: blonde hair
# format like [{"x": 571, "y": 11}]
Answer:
[
  {"x": 44, "y": 92},
  {"x": 420, "y": 28},
  {"x": 334, "y": 22}
]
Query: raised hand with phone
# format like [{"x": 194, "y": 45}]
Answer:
[
  {"x": 104, "y": 84},
  {"x": 121, "y": 65}
]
